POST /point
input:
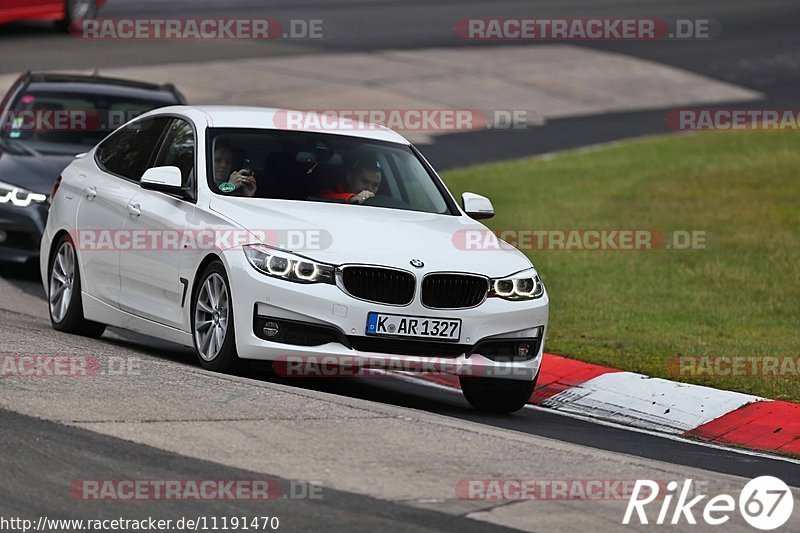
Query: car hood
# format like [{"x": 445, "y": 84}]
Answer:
[
  {"x": 371, "y": 235},
  {"x": 36, "y": 173}
]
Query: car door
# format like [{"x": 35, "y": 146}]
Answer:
[
  {"x": 107, "y": 189},
  {"x": 151, "y": 286}
]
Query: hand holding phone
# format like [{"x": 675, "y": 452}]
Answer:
[{"x": 247, "y": 169}]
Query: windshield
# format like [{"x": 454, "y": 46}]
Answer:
[
  {"x": 68, "y": 123},
  {"x": 321, "y": 167}
]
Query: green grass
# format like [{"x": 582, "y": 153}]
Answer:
[{"x": 635, "y": 310}]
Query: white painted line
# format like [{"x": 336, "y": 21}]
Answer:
[
  {"x": 617, "y": 425},
  {"x": 650, "y": 403},
  {"x": 550, "y": 81},
  {"x": 596, "y": 147}
]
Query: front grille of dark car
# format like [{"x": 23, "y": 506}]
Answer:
[
  {"x": 407, "y": 347},
  {"x": 453, "y": 291},
  {"x": 381, "y": 285}
]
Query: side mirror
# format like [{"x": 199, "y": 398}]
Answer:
[
  {"x": 164, "y": 179},
  {"x": 476, "y": 206}
]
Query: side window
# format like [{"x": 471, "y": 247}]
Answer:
[
  {"x": 128, "y": 151},
  {"x": 177, "y": 150}
]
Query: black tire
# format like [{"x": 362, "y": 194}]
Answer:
[
  {"x": 497, "y": 395},
  {"x": 226, "y": 359},
  {"x": 74, "y": 11},
  {"x": 70, "y": 320}
]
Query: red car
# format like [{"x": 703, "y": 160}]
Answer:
[{"x": 63, "y": 12}]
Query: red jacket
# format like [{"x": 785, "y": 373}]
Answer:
[{"x": 340, "y": 193}]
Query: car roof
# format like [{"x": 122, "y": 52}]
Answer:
[
  {"x": 272, "y": 118},
  {"x": 48, "y": 81}
]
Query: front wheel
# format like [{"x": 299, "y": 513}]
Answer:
[
  {"x": 212, "y": 321},
  {"x": 496, "y": 395}
]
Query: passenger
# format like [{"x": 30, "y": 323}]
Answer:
[
  {"x": 362, "y": 182},
  {"x": 242, "y": 181}
]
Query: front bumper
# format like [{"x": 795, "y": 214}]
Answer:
[
  {"x": 256, "y": 296},
  {"x": 21, "y": 231}
]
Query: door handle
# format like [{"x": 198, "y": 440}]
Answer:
[
  {"x": 134, "y": 210},
  {"x": 90, "y": 193}
]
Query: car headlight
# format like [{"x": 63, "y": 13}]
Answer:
[
  {"x": 285, "y": 265},
  {"x": 524, "y": 285},
  {"x": 18, "y": 196}
]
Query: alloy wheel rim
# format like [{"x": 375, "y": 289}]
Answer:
[
  {"x": 62, "y": 278},
  {"x": 211, "y": 317}
]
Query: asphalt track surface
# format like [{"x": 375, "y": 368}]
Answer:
[
  {"x": 36, "y": 476},
  {"x": 758, "y": 49},
  {"x": 536, "y": 421}
]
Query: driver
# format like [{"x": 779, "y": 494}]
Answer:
[
  {"x": 240, "y": 182},
  {"x": 362, "y": 182}
]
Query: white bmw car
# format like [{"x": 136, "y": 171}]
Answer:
[{"x": 224, "y": 229}]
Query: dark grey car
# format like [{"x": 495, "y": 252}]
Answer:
[{"x": 45, "y": 121}]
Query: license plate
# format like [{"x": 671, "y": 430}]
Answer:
[{"x": 442, "y": 329}]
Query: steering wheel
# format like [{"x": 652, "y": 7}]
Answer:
[{"x": 382, "y": 200}]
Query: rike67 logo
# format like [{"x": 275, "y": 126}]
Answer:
[{"x": 766, "y": 503}]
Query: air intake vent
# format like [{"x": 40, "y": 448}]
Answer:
[
  {"x": 408, "y": 347},
  {"x": 381, "y": 285},
  {"x": 453, "y": 291}
]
